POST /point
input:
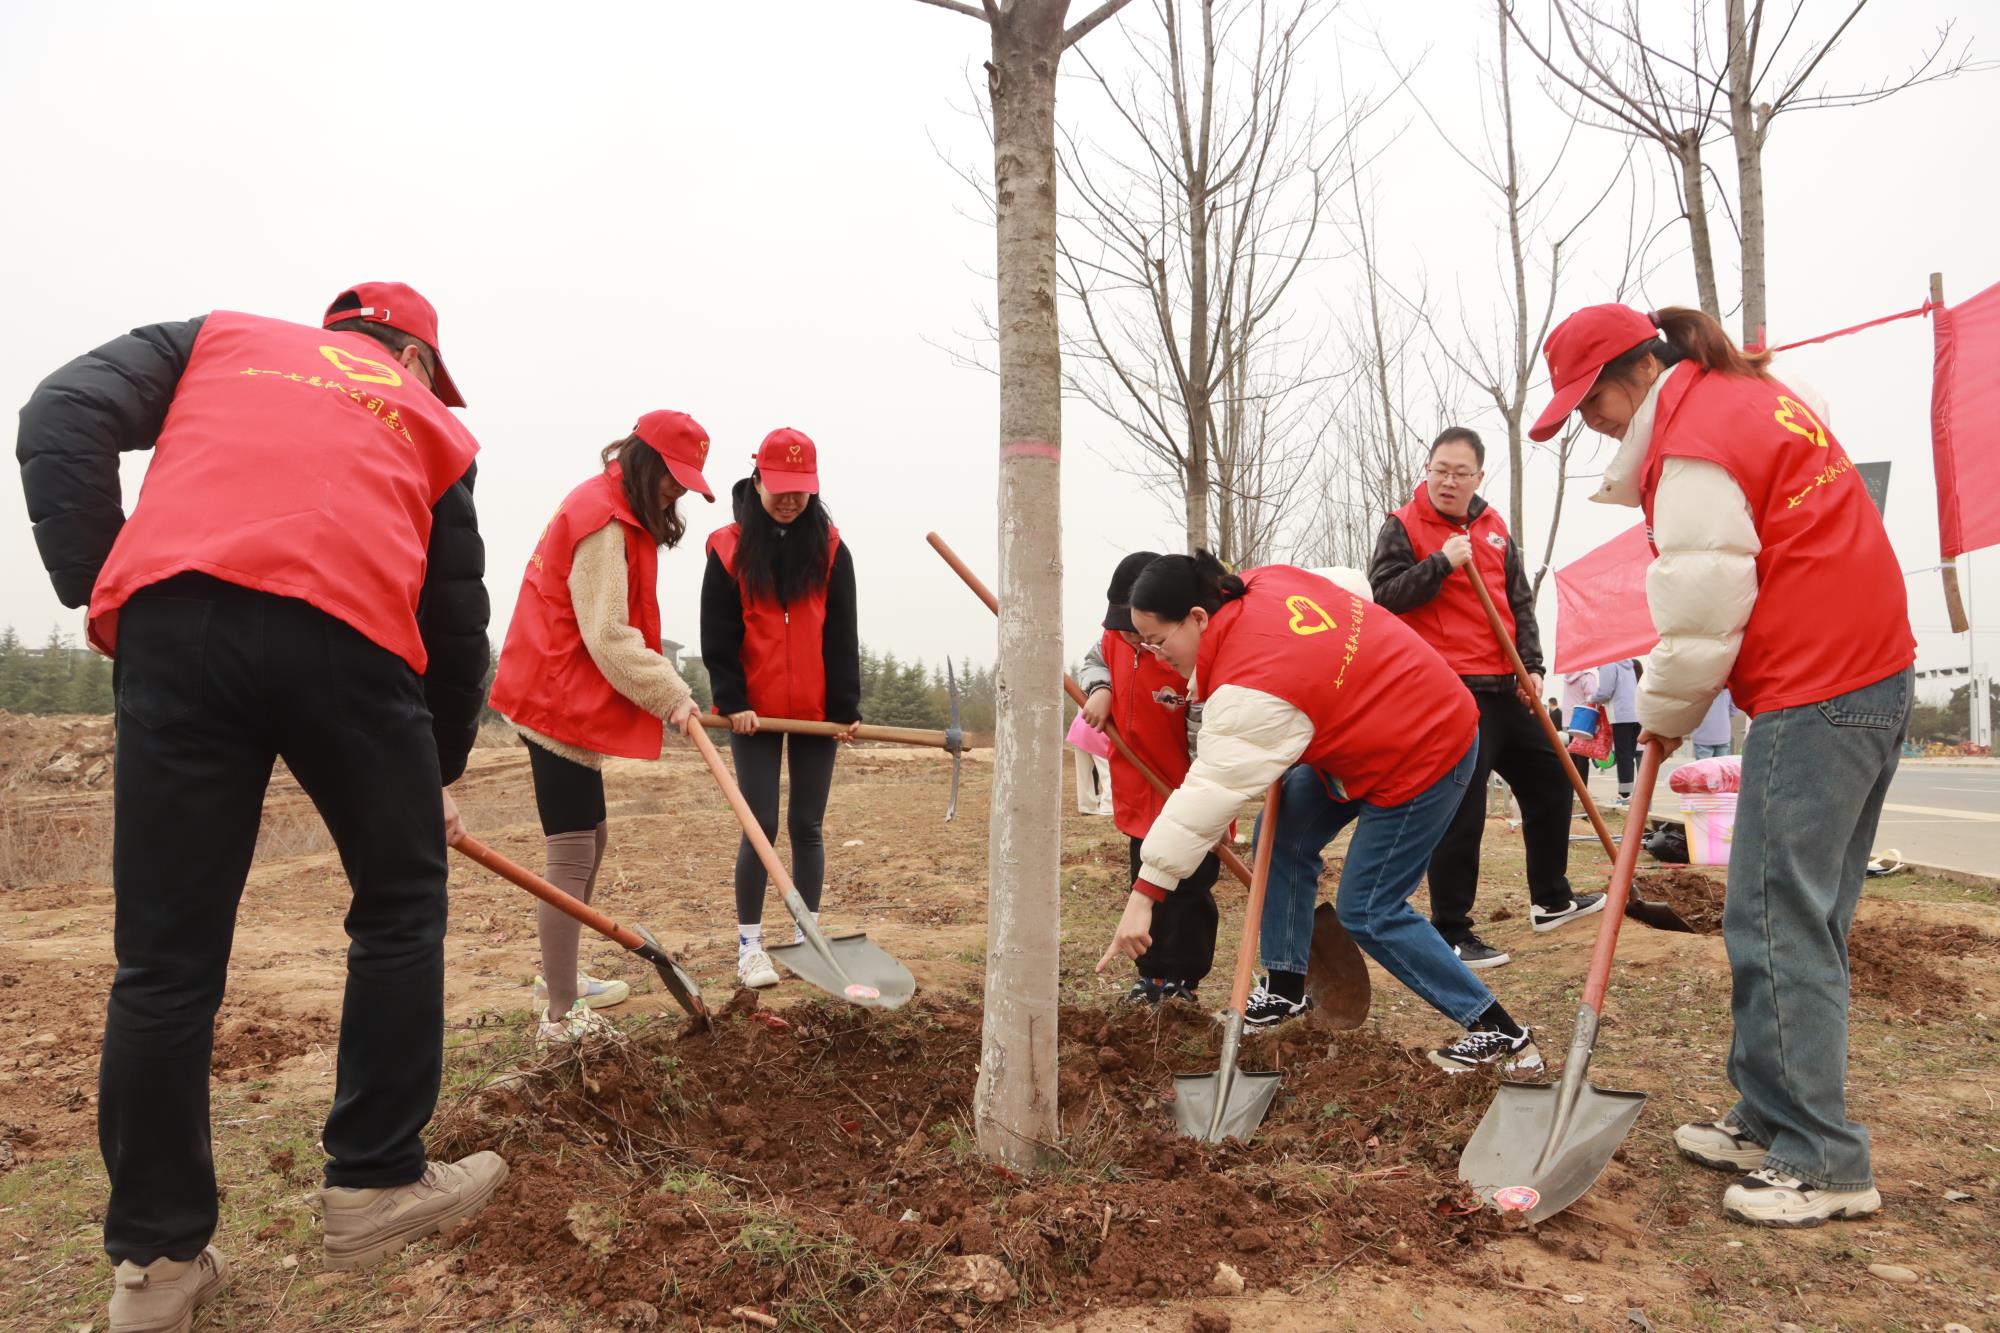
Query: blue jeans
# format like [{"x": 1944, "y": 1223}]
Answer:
[
  {"x": 1710, "y": 751},
  {"x": 1792, "y": 894},
  {"x": 1385, "y": 863}
]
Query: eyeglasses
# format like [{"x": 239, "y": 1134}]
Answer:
[
  {"x": 1158, "y": 647},
  {"x": 1452, "y": 473}
]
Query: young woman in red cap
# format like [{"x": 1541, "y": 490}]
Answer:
[
  {"x": 582, "y": 675},
  {"x": 778, "y": 637},
  {"x": 1762, "y": 526}
]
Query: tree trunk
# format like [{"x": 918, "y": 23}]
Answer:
[
  {"x": 1014, "y": 1105},
  {"x": 1197, "y": 483},
  {"x": 1745, "y": 131},
  {"x": 1694, "y": 199}
]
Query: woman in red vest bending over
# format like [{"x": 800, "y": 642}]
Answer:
[
  {"x": 1147, "y": 698},
  {"x": 778, "y": 637},
  {"x": 1299, "y": 678},
  {"x": 1774, "y": 577},
  {"x": 582, "y": 675}
]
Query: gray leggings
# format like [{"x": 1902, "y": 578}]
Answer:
[{"x": 757, "y": 758}]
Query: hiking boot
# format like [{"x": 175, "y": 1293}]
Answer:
[
  {"x": 1479, "y": 1048},
  {"x": 580, "y": 1023},
  {"x": 1152, "y": 990},
  {"x": 364, "y": 1226},
  {"x": 753, "y": 969},
  {"x": 1266, "y": 1008},
  {"x": 1768, "y": 1198},
  {"x": 1580, "y": 904},
  {"x": 593, "y": 991},
  {"x": 161, "y": 1297},
  {"x": 1477, "y": 953},
  {"x": 1719, "y": 1146}
]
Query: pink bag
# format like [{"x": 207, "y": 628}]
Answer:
[
  {"x": 1597, "y": 745},
  {"x": 1712, "y": 776},
  {"x": 1088, "y": 738}
]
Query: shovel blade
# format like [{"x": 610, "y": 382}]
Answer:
[
  {"x": 1657, "y": 915},
  {"x": 858, "y": 971},
  {"x": 1336, "y": 974},
  {"x": 1244, "y": 1102},
  {"x": 683, "y": 987},
  {"x": 1499, "y": 1161}
]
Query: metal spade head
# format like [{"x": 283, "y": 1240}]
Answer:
[
  {"x": 1336, "y": 974},
  {"x": 680, "y": 985},
  {"x": 849, "y": 966},
  {"x": 1505, "y": 1162},
  {"x": 1655, "y": 914},
  {"x": 1228, "y": 1104}
]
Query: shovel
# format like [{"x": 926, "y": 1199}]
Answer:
[
  {"x": 1657, "y": 915},
  {"x": 1539, "y": 1148},
  {"x": 1230, "y": 1104},
  {"x": 636, "y": 938},
  {"x": 848, "y": 965}
]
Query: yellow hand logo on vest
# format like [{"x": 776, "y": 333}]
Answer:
[
  {"x": 1788, "y": 414},
  {"x": 1300, "y": 604},
  {"x": 366, "y": 369}
]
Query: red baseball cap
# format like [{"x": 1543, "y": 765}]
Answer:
[
  {"x": 400, "y": 307},
  {"x": 788, "y": 461},
  {"x": 679, "y": 439},
  {"x": 1579, "y": 348}
]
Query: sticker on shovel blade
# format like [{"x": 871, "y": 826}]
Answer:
[
  {"x": 1516, "y": 1198},
  {"x": 857, "y": 991}
]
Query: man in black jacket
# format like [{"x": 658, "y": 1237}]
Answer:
[
  {"x": 1446, "y": 527},
  {"x": 278, "y": 591}
]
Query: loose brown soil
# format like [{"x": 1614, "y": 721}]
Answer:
[{"x": 1695, "y": 897}]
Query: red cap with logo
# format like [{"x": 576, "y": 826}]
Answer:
[
  {"x": 679, "y": 439},
  {"x": 788, "y": 462},
  {"x": 400, "y": 307},
  {"x": 1579, "y": 348}
]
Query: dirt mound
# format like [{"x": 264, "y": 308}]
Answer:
[
  {"x": 831, "y": 1166},
  {"x": 54, "y": 751},
  {"x": 1695, "y": 896},
  {"x": 1894, "y": 964}
]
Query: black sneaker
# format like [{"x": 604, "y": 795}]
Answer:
[
  {"x": 1476, "y": 953},
  {"x": 1267, "y": 1009},
  {"x": 1477, "y": 1049},
  {"x": 1152, "y": 990},
  {"x": 1580, "y": 904}
]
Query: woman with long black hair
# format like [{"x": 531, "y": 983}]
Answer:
[{"x": 778, "y": 638}]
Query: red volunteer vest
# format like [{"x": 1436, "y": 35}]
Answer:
[
  {"x": 547, "y": 681},
  {"x": 1831, "y": 614},
  {"x": 1453, "y": 622},
  {"x": 1390, "y": 717},
  {"x": 784, "y": 653},
  {"x": 1149, "y": 704},
  {"x": 299, "y": 462}
]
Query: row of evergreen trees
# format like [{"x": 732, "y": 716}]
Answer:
[{"x": 58, "y": 677}]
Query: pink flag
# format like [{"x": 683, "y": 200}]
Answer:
[
  {"x": 1965, "y": 413},
  {"x": 1601, "y": 612}
]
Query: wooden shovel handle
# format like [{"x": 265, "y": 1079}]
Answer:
[
  {"x": 801, "y": 727},
  {"x": 1541, "y": 715},
  {"x": 1223, "y": 851},
  {"x": 1620, "y": 887},
  {"x": 1253, "y": 910},
  {"x": 751, "y": 830},
  {"x": 473, "y": 848}
]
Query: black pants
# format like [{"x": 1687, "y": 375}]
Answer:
[
  {"x": 1183, "y": 947},
  {"x": 757, "y": 760},
  {"x": 213, "y": 682},
  {"x": 569, "y": 796},
  {"x": 1625, "y": 745},
  {"x": 1583, "y": 766},
  {"x": 1511, "y": 744}
]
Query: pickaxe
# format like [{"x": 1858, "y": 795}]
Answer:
[{"x": 951, "y": 741}]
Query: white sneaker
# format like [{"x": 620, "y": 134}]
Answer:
[
  {"x": 1476, "y": 1049},
  {"x": 593, "y": 991},
  {"x": 753, "y": 969},
  {"x": 1719, "y": 1146},
  {"x": 581, "y": 1023},
  {"x": 1768, "y": 1198}
]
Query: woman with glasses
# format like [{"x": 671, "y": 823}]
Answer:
[
  {"x": 1447, "y": 527},
  {"x": 1301, "y": 679}
]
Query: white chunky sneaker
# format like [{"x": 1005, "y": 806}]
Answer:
[
  {"x": 1719, "y": 1146},
  {"x": 1477, "y": 1049},
  {"x": 593, "y": 991},
  {"x": 580, "y": 1023},
  {"x": 753, "y": 969},
  {"x": 1768, "y": 1198}
]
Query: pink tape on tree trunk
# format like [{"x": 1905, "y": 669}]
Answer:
[{"x": 1031, "y": 449}]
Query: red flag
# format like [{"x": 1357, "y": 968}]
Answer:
[
  {"x": 1601, "y": 612},
  {"x": 1965, "y": 412}
]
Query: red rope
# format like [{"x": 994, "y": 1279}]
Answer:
[{"x": 1923, "y": 309}]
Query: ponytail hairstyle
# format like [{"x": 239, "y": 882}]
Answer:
[
  {"x": 781, "y": 561},
  {"x": 1174, "y": 585},
  {"x": 644, "y": 470},
  {"x": 1690, "y": 335}
]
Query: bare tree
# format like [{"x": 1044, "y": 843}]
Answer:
[
  {"x": 1180, "y": 249},
  {"x": 1014, "y": 1104}
]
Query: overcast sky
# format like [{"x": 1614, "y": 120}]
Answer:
[{"x": 748, "y": 212}]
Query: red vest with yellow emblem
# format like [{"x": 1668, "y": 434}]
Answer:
[
  {"x": 1453, "y": 622},
  {"x": 547, "y": 681},
  {"x": 1389, "y": 717},
  {"x": 1149, "y": 702},
  {"x": 296, "y": 461},
  {"x": 784, "y": 647},
  {"x": 1831, "y": 614}
]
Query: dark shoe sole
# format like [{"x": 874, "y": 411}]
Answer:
[{"x": 381, "y": 1247}]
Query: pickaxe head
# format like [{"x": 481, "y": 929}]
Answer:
[{"x": 954, "y": 741}]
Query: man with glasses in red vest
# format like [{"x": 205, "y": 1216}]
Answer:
[
  {"x": 1447, "y": 527},
  {"x": 301, "y": 578}
]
